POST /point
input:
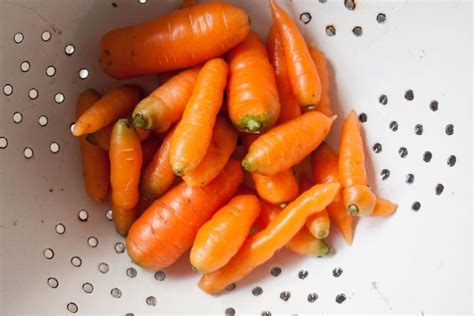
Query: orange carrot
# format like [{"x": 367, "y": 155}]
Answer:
[
  {"x": 218, "y": 240},
  {"x": 290, "y": 107},
  {"x": 321, "y": 63},
  {"x": 193, "y": 133},
  {"x": 95, "y": 161},
  {"x": 383, "y": 207},
  {"x": 168, "y": 227},
  {"x": 177, "y": 40},
  {"x": 287, "y": 144},
  {"x": 149, "y": 148},
  {"x": 302, "y": 71},
  {"x": 102, "y": 137},
  {"x": 187, "y": 3},
  {"x": 317, "y": 224},
  {"x": 260, "y": 247},
  {"x": 115, "y": 104},
  {"x": 165, "y": 104},
  {"x": 356, "y": 195},
  {"x": 223, "y": 142},
  {"x": 252, "y": 93}
]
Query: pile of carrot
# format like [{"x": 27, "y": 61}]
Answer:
[{"x": 172, "y": 163}]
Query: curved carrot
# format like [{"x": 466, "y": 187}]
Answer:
[
  {"x": 168, "y": 227},
  {"x": 187, "y": 3},
  {"x": 252, "y": 93},
  {"x": 102, "y": 137},
  {"x": 223, "y": 142},
  {"x": 165, "y": 104},
  {"x": 149, "y": 148},
  {"x": 260, "y": 247},
  {"x": 177, "y": 40},
  {"x": 317, "y": 224},
  {"x": 356, "y": 195},
  {"x": 218, "y": 240},
  {"x": 194, "y": 132},
  {"x": 321, "y": 63},
  {"x": 383, "y": 207},
  {"x": 290, "y": 107},
  {"x": 303, "y": 74},
  {"x": 95, "y": 161},
  {"x": 287, "y": 144},
  {"x": 115, "y": 104}
]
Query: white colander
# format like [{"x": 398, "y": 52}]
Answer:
[{"x": 405, "y": 66}]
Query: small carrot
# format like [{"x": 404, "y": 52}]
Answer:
[
  {"x": 102, "y": 137},
  {"x": 168, "y": 227},
  {"x": 194, "y": 132},
  {"x": 383, "y": 207},
  {"x": 260, "y": 247},
  {"x": 149, "y": 148},
  {"x": 252, "y": 93},
  {"x": 115, "y": 104},
  {"x": 165, "y": 105},
  {"x": 302, "y": 71},
  {"x": 95, "y": 161},
  {"x": 125, "y": 162},
  {"x": 223, "y": 142},
  {"x": 218, "y": 240},
  {"x": 287, "y": 144},
  {"x": 356, "y": 195},
  {"x": 321, "y": 63},
  {"x": 317, "y": 224},
  {"x": 181, "y": 39},
  {"x": 290, "y": 107},
  {"x": 187, "y": 3}
]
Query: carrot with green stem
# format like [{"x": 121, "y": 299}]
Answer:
[
  {"x": 102, "y": 137},
  {"x": 321, "y": 63},
  {"x": 193, "y": 133},
  {"x": 317, "y": 224}
]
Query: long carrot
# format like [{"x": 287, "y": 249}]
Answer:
[
  {"x": 317, "y": 224},
  {"x": 223, "y": 142},
  {"x": 165, "y": 105},
  {"x": 383, "y": 207},
  {"x": 290, "y": 107},
  {"x": 113, "y": 105},
  {"x": 194, "y": 132},
  {"x": 149, "y": 148},
  {"x": 303, "y": 74},
  {"x": 321, "y": 63},
  {"x": 260, "y": 247},
  {"x": 168, "y": 227},
  {"x": 95, "y": 161},
  {"x": 183, "y": 38},
  {"x": 252, "y": 93},
  {"x": 287, "y": 144},
  {"x": 220, "y": 238},
  {"x": 102, "y": 137},
  {"x": 356, "y": 195}
]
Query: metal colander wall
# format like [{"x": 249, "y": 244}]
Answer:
[{"x": 405, "y": 66}]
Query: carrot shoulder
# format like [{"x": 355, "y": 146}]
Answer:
[{"x": 321, "y": 63}]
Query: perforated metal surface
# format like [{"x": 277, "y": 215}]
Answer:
[{"x": 404, "y": 66}]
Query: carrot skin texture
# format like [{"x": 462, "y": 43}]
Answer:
[
  {"x": 321, "y": 63},
  {"x": 317, "y": 224},
  {"x": 168, "y": 227},
  {"x": 384, "y": 207},
  {"x": 102, "y": 137},
  {"x": 95, "y": 161},
  {"x": 177, "y": 40},
  {"x": 260, "y": 247},
  {"x": 218, "y": 240},
  {"x": 149, "y": 148},
  {"x": 193, "y": 133},
  {"x": 252, "y": 93},
  {"x": 113, "y": 105}
]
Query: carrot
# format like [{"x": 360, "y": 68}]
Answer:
[
  {"x": 290, "y": 107},
  {"x": 223, "y": 142},
  {"x": 383, "y": 207},
  {"x": 187, "y": 3},
  {"x": 218, "y": 240},
  {"x": 287, "y": 144},
  {"x": 183, "y": 38},
  {"x": 102, "y": 137},
  {"x": 321, "y": 63},
  {"x": 317, "y": 224},
  {"x": 168, "y": 227},
  {"x": 158, "y": 176},
  {"x": 149, "y": 148},
  {"x": 252, "y": 93},
  {"x": 194, "y": 132},
  {"x": 260, "y": 247},
  {"x": 95, "y": 161},
  {"x": 165, "y": 104},
  {"x": 302, "y": 71},
  {"x": 115, "y": 104},
  {"x": 356, "y": 195},
  {"x": 125, "y": 162}
]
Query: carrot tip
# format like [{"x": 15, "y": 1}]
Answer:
[
  {"x": 353, "y": 209},
  {"x": 140, "y": 121},
  {"x": 178, "y": 171},
  {"x": 324, "y": 249},
  {"x": 251, "y": 124},
  {"x": 247, "y": 166},
  {"x": 322, "y": 234}
]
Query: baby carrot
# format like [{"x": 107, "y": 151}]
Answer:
[
  {"x": 290, "y": 107},
  {"x": 356, "y": 195},
  {"x": 383, "y": 207},
  {"x": 168, "y": 227},
  {"x": 317, "y": 224},
  {"x": 260, "y": 247},
  {"x": 115, "y": 104},
  {"x": 321, "y": 63},
  {"x": 252, "y": 93},
  {"x": 194, "y": 132},
  {"x": 223, "y": 142},
  {"x": 303, "y": 74},
  {"x": 287, "y": 144},
  {"x": 218, "y": 240},
  {"x": 165, "y": 104},
  {"x": 181, "y": 39},
  {"x": 149, "y": 148},
  {"x": 101, "y": 138},
  {"x": 95, "y": 161}
]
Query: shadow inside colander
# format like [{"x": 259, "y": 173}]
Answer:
[{"x": 181, "y": 268}]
